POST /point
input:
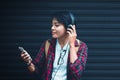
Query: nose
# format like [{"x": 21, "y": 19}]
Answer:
[{"x": 53, "y": 27}]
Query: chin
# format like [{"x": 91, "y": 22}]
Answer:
[{"x": 54, "y": 36}]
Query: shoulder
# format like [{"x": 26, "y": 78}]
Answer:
[{"x": 51, "y": 41}]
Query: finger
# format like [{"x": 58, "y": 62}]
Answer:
[
  {"x": 69, "y": 33},
  {"x": 22, "y": 55},
  {"x": 74, "y": 28},
  {"x": 70, "y": 26},
  {"x": 70, "y": 30},
  {"x": 25, "y": 55},
  {"x": 27, "y": 58},
  {"x": 22, "y": 52}
]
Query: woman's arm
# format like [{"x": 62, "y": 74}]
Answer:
[
  {"x": 39, "y": 59},
  {"x": 78, "y": 60},
  {"x": 73, "y": 54}
]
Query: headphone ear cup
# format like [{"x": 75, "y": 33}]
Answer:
[{"x": 70, "y": 26}]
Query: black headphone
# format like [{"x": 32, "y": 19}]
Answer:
[{"x": 72, "y": 20}]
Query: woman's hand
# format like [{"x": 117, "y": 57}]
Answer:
[
  {"x": 72, "y": 35},
  {"x": 26, "y": 57}
]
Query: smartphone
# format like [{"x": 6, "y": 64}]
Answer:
[{"x": 21, "y": 49}]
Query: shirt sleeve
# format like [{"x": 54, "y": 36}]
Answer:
[{"x": 78, "y": 66}]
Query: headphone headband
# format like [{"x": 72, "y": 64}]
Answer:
[{"x": 72, "y": 19}]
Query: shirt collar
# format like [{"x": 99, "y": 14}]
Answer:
[
  {"x": 59, "y": 47},
  {"x": 53, "y": 42}
]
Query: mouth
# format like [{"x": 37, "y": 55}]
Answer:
[{"x": 53, "y": 33}]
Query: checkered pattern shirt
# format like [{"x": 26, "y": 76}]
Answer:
[{"x": 44, "y": 66}]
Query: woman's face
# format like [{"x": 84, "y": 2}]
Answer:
[{"x": 58, "y": 29}]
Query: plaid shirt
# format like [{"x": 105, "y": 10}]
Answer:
[{"x": 44, "y": 66}]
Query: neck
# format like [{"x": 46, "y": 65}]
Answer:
[{"x": 63, "y": 40}]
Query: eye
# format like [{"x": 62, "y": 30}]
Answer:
[{"x": 57, "y": 25}]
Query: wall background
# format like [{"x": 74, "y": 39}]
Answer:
[{"x": 27, "y": 23}]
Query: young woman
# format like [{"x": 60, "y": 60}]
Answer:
[{"x": 66, "y": 56}]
